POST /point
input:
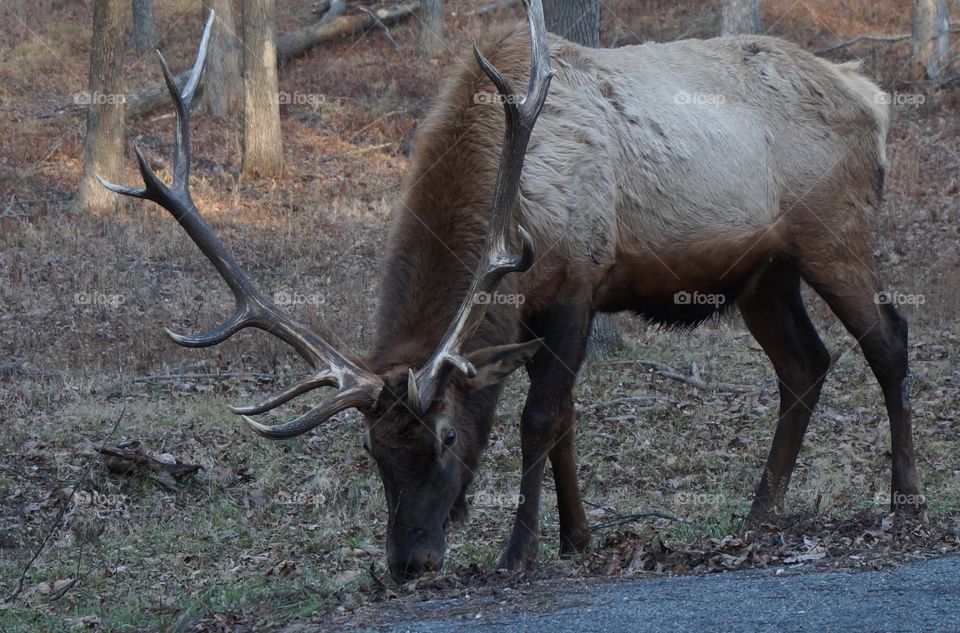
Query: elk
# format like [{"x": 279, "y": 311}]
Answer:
[{"x": 732, "y": 168}]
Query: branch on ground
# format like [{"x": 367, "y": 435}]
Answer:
[
  {"x": 885, "y": 39},
  {"x": 694, "y": 378},
  {"x": 131, "y": 460}
]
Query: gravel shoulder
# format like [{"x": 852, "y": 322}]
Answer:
[{"x": 921, "y": 596}]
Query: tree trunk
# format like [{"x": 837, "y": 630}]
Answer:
[
  {"x": 575, "y": 20},
  {"x": 430, "y": 34},
  {"x": 262, "y": 147},
  {"x": 605, "y": 337},
  {"x": 930, "y": 40},
  {"x": 144, "y": 37},
  {"x": 289, "y": 46},
  {"x": 223, "y": 81},
  {"x": 103, "y": 143},
  {"x": 740, "y": 17}
]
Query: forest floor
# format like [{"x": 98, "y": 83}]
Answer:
[{"x": 273, "y": 533}]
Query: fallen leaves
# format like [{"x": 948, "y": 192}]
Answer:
[
  {"x": 866, "y": 540},
  {"x": 54, "y": 589},
  {"x": 282, "y": 569}
]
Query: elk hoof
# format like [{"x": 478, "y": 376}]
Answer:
[
  {"x": 521, "y": 555},
  {"x": 574, "y": 542}
]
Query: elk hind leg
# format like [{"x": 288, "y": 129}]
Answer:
[{"x": 850, "y": 288}]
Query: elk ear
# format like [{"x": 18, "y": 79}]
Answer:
[{"x": 496, "y": 363}]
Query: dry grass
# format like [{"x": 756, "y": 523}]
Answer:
[{"x": 269, "y": 532}]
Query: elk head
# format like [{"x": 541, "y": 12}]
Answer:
[{"x": 413, "y": 415}]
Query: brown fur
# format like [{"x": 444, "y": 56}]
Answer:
[{"x": 633, "y": 194}]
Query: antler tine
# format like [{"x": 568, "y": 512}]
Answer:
[
  {"x": 356, "y": 386},
  {"x": 355, "y": 397},
  {"x": 289, "y": 393},
  {"x": 495, "y": 259}
]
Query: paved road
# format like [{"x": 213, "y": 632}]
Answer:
[{"x": 923, "y": 596}]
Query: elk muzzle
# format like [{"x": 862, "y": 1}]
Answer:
[{"x": 412, "y": 553}]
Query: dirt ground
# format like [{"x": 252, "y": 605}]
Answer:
[{"x": 272, "y": 533}]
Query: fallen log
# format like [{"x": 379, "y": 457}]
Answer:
[
  {"x": 131, "y": 460},
  {"x": 289, "y": 46},
  {"x": 298, "y": 42}
]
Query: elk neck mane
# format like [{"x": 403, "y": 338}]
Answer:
[{"x": 440, "y": 223}]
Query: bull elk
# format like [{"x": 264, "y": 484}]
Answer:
[{"x": 733, "y": 167}]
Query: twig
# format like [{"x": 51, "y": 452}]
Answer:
[
  {"x": 693, "y": 380},
  {"x": 885, "y": 39},
  {"x": 687, "y": 32},
  {"x": 496, "y": 6},
  {"x": 73, "y": 581},
  {"x": 158, "y": 378},
  {"x": 356, "y": 135},
  {"x": 383, "y": 26},
  {"x": 629, "y": 518},
  {"x": 624, "y": 400},
  {"x": 373, "y": 574},
  {"x": 63, "y": 510},
  {"x": 626, "y": 518},
  {"x": 888, "y": 39}
]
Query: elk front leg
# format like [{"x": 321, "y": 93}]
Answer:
[
  {"x": 774, "y": 312},
  {"x": 546, "y": 429}
]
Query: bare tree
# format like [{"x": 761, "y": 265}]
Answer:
[
  {"x": 930, "y": 39},
  {"x": 103, "y": 143},
  {"x": 145, "y": 36},
  {"x": 262, "y": 148},
  {"x": 739, "y": 17},
  {"x": 223, "y": 81},
  {"x": 430, "y": 35},
  {"x": 575, "y": 20}
]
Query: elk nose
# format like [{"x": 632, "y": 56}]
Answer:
[{"x": 415, "y": 567}]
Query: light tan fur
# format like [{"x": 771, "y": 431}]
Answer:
[{"x": 652, "y": 169}]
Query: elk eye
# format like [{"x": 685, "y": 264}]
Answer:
[{"x": 449, "y": 438}]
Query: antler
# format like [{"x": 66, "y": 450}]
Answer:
[
  {"x": 356, "y": 387},
  {"x": 495, "y": 260}
]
